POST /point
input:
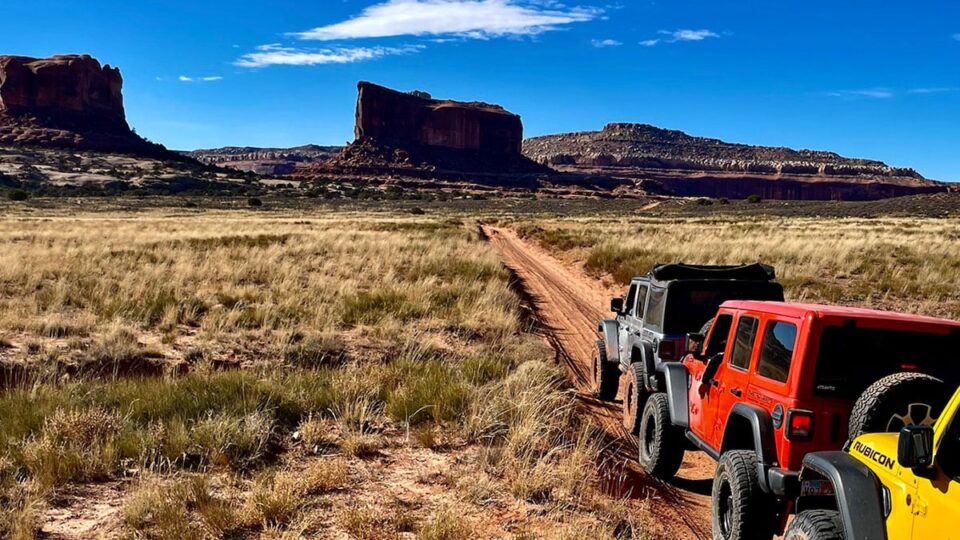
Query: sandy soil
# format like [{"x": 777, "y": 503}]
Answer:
[{"x": 568, "y": 306}]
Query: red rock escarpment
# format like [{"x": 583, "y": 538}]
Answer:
[{"x": 66, "y": 101}]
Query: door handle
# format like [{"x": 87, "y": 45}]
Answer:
[{"x": 736, "y": 391}]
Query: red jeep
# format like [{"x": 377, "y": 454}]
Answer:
[{"x": 770, "y": 382}]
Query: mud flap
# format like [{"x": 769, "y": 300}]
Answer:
[
  {"x": 677, "y": 378},
  {"x": 611, "y": 339}
]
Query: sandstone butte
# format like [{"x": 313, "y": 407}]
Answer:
[
  {"x": 67, "y": 101},
  {"x": 414, "y": 131}
]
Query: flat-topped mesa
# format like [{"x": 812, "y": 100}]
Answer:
[
  {"x": 67, "y": 101},
  {"x": 413, "y": 131},
  {"x": 397, "y": 118},
  {"x": 65, "y": 90},
  {"x": 645, "y": 146}
]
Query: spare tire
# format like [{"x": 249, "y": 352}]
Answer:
[{"x": 896, "y": 401}]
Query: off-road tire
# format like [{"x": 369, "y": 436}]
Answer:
[
  {"x": 882, "y": 407},
  {"x": 606, "y": 377},
  {"x": 661, "y": 444},
  {"x": 634, "y": 398},
  {"x": 740, "y": 509},
  {"x": 816, "y": 525}
]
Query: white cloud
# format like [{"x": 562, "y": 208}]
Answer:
[
  {"x": 674, "y": 36},
  {"x": 277, "y": 55},
  {"x": 875, "y": 93},
  {"x": 184, "y": 78},
  {"x": 603, "y": 43},
  {"x": 931, "y": 90},
  {"x": 478, "y": 19},
  {"x": 690, "y": 35}
]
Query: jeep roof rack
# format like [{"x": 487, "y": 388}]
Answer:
[{"x": 747, "y": 272}]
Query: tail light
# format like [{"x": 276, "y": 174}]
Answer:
[
  {"x": 667, "y": 349},
  {"x": 799, "y": 425}
]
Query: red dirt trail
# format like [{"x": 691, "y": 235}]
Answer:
[{"x": 568, "y": 305}]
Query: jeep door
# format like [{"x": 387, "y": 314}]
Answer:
[
  {"x": 733, "y": 376},
  {"x": 699, "y": 395},
  {"x": 632, "y": 323},
  {"x": 937, "y": 505}
]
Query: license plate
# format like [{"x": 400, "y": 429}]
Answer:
[{"x": 816, "y": 488}]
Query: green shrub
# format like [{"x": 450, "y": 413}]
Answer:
[
  {"x": 754, "y": 199},
  {"x": 17, "y": 195},
  {"x": 254, "y": 202}
]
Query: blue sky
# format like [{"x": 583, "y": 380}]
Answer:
[{"x": 877, "y": 79}]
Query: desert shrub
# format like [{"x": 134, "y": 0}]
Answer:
[
  {"x": 316, "y": 350},
  {"x": 622, "y": 263},
  {"x": 703, "y": 201},
  {"x": 447, "y": 525},
  {"x": 180, "y": 509},
  {"x": 374, "y": 306},
  {"x": 59, "y": 325},
  {"x": 276, "y": 498},
  {"x": 724, "y": 200},
  {"x": 17, "y": 195},
  {"x": 74, "y": 445},
  {"x": 254, "y": 202},
  {"x": 430, "y": 390},
  {"x": 365, "y": 522},
  {"x": 753, "y": 199},
  {"x": 237, "y": 442}
]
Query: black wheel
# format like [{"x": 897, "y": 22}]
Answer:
[
  {"x": 661, "y": 444},
  {"x": 634, "y": 398},
  {"x": 740, "y": 510},
  {"x": 896, "y": 401},
  {"x": 815, "y": 525},
  {"x": 606, "y": 377}
]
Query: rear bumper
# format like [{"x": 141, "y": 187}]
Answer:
[{"x": 783, "y": 483}]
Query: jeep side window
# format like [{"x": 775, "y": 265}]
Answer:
[
  {"x": 655, "y": 308},
  {"x": 719, "y": 335},
  {"x": 776, "y": 353},
  {"x": 743, "y": 342},
  {"x": 641, "y": 301},
  {"x": 631, "y": 298}
]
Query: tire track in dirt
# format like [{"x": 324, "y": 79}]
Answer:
[{"x": 568, "y": 306}]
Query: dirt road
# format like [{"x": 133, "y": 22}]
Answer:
[{"x": 568, "y": 305}]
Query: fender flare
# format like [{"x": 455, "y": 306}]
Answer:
[
  {"x": 677, "y": 379},
  {"x": 761, "y": 431},
  {"x": 610, "y": 329},
  {"x": 858, "y": 493}
]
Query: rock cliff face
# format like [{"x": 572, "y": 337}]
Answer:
[
  {"x": 398, "y": 130},
  {"x": 681, "y": 164},
  {"x": 271, "y": 161},
  {"x": 67, "y": 101}
]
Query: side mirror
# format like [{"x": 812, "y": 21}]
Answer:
[
  {"x": 915, "y": 447},
  {"x": 616, "y": 305},
  {"x": 695, "y": 344}
]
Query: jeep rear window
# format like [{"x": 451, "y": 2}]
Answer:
[
  {"x": 692, "y": 303},
  {"x": 777, "y": 350},
  {"x": 851, "y": 359}
]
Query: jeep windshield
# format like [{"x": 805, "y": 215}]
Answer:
[
  {"x": 850, "y": 359},
  {"x": 690, "y": 304}
]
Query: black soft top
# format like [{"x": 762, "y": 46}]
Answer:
[{"x": 743, "y": 272}]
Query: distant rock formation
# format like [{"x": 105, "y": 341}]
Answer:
[
  {"x": 680, "y": 164},
  {"x": 66, "y": 101},
  {"x": 398, "y": 130},
  {"x": 268, "y": 161}
]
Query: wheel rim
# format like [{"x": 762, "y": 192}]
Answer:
[
  {"x": 725, "y": 509},
  {"x": 648, "y": 436},
  {"x": 917, "y": 414}
]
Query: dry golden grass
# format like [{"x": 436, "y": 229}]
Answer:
[
  {"x": 357, "y": 339},
  {"x": 906, "y": 264}
]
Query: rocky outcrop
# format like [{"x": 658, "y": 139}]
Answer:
[
  {"x": 67, "y": 101},
  {"x": 413, "y": 130},
  {"x": 268, "y": 161},
  {"x": 680, "y": 164}
]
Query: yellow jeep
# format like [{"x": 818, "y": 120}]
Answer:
[{"x": 886, "y": 485}]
